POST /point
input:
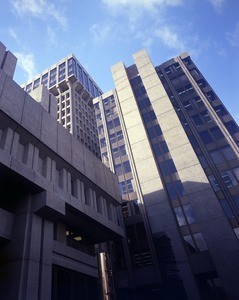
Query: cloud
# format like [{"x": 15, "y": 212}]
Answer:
[
  {"x": 170, "y": 38},
  {"x": 40, "y": 9},
  {"x": 51, "y": 37},
  {"x": 233, "y": 37},
  {"x": 217, "y": 4},
  {"x": 146, "y": 4},
  {"x": 101, "y": 32},
  {"x": 27, "y": 63}
]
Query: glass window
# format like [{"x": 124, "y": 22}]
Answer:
[
  {"x": 226, "y": 208},
  {"x": 180, "y": 216},
  {"x": 157, "y": 149},
  {"x": 214, "y": 183},
  {"x": 206, "y": 116},
  {"x": 220, "y": 110},
  {"x": 216, "y": 156},
  {"x": 190, "y": 243},
  {"x": 236, "y": 200},
  {"x": 158, "y": 130},
  {"x": 122, "y": 150},
  {"x": 152, "y": 115},
  {"x": 29, "y": 87},
  {"x": 126, "y": 167},
  {"x": 236, "y": 172},
  {"x": 71, "y": 66},
  {"x": 188, "y": 105},
  {"x": 200, "y": 242},
  {"x": 179, "y": 188},
  {"x": 44, "y": 79},
  {"x": 146, "y": 117},
  {"x": 205, "y": 137},
  {"x": 232, "y": 127},
  {"x": 228, "y": 178},
  {"x": 202, "y": 161},
  {"x": 116, "y": 122},
  {"x": 85, "y": 81},
  {"x": 228, "y": 152},
  {"x": 189, "y": 213},
  {"x": 164, "y": 147},
  {"x": 36, "y": 83},
  {"x": 118, "y": 169},
  {"x": 79, "y": 72},
  {"x": 151, "y": 132},
  {"x": 197, "y": 120},
  {"x": 171, "y": 191},
  {"x": 216, "y": 133},
  {"x": 101, "y": 129},
  {"x": 102, "y": 142}
]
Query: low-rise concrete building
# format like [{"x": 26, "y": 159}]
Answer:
[{"x": 57, "y": 202}]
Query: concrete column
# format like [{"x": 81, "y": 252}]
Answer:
[
  {"x": 28, "y": 155},
  {"x": 35, "y": 159},
  {"x": 94, "y": 206},
  {"x": 15, "y": 143},
  {"x": 47, "y": 168},
  {"x": 6, "y": 140}
]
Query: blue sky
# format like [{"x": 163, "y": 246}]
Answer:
[{"x": 102, "y": 32}]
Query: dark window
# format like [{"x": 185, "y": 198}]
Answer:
[
  {"x": 152, "y": 115},
  {"x": 171, "y": 191},
  {"x": 157, "y": 150},
  {"x": 126, "y": 167},
  {"x": 216, "y": 156},
  {"x": 164, "y": 147},
  {"x": 216, "y": 133},
  {"x": 228, "y": 152},
  {"x": 158, "y": 130},
  {"x": 116, "y": 122},
  {"x": 188, "y": 105},
  {"x": 189, "y": 213},
  {"x": 197, "y": 120},
  {"x": 226, "y": 208},
  {"x": 206, "y": 116},
  {"x": 220, "y": 110},
  {"x": 232, "y": 127},
  {"x": 205, "y": 137},
  {"x": 179, "y": 188}
]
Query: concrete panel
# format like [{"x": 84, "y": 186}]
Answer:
[
  {"x": 184, "y": 157},
  {"x": 49, "y": 131},
  {"x": 89, "y": 164},
  {"x": 12, "y": 99},
  {"x": 77, "y": 155},
  {"x": 2, "y": 80},
  {"x": 136, "y": 133},
  {"x": 63, "y": 142},
  {"x": 147, "y": 170},
  {"x": 169, "y": 120},
  {"x": 132, "y": 119},
  {"x": 141, "y": 150},
  {"x": 32, "y": 116}
]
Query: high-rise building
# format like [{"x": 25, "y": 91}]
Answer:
[
  {"x": 174, "y": 147},
  {"x": 74, "y": 90}
]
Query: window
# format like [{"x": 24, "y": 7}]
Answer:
[
  {"x": 171, "y": 191},
  {"x": 216, "y": 133},
  {"x": 180, "y": 216},
  {"x": 179, "y": 188},
  {"x": 226, "y": 208},
  {"x": 232, "y": 127},
  {"x": 116, "y": 122},
  {"x": 206, "y": 116},
  {"x": 189, "y": 213},
  {"x": 228, "y": 152},
  {"x": 164, "y": 147},
  {"x": 167, "y": 167},
  {"x": 102, "y": 142},
  {"x": 197, "y": 120},
  {"x": 188, "y": 105},
  {"x": 228, "y": 178},
  {"x": 157, "y": 149},
  {"x": 205, "y": 137},
  {"x": 126, "y": 167},
  {"x": 214, "y": 183},
  {"x": 220, "y": 110},
  {"x": 216, "y": 156},
  {"x": 36, "y": 83}
]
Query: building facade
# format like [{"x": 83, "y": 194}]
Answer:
[
  {"x": 174, "y": 147},
  {"x": 74, "y": 90},
  {"x": 58, "y": 202}
]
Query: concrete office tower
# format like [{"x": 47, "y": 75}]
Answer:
[
  {"x": 174, "y": 147},
  {"x": 57, "y": 202},
  {"x": 74, "y": 89}
]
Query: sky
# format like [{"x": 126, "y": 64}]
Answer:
[{"x": 100, "y": 33}]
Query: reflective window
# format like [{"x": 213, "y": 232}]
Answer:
[
  {"x": 220, "y": 110},
  {"x": 216, "y": 156},
  {"x": 36, "y": 83},
  {"x": 164, "y": 147},
  {"x": 232, "y": 127},
  {"x": 205, "y": 137},
  {"x": 228, "y": 152},
  {"x": 102, "y": 142},
  {"x": 157, "y": 149},
  {"x": 171, "y": 191},
  {"x": 228, "y": 178},
  {"x": 216, "y": 133},
  {"x": 197, "y": 120},
  {"x": 206, "y": 116},
  {"x": 189, "y": 213},
  {"x": 180, "y": 216},
  {"x": 214, "y": 183},
  {"x": 200, "y": 242},
  {"x": 226, "y": 208},
  {"x": 179, "y": 188}
]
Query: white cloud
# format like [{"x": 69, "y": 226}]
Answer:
[
  {"x": 170, "y": 38},
  {"x": 40, "y": 9},
  {"x": 27, "y": 63},
  {"x": 51, "y": 37},
  {"x": 146, "y": 4},
  {"x": 217, "y": 4},
  {"x": 233, "y": 37},
  {"x": 101, "y": 32}
]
